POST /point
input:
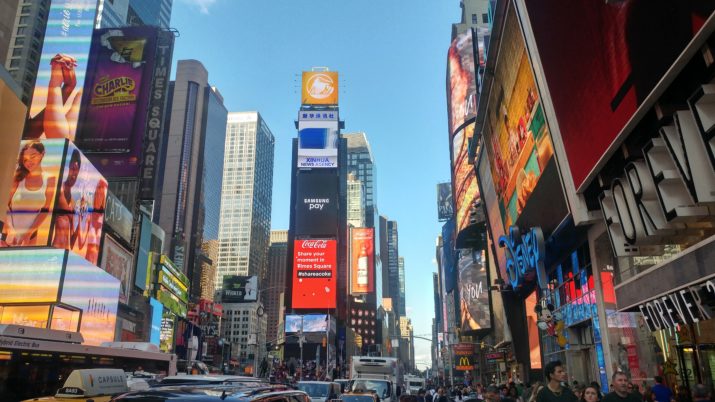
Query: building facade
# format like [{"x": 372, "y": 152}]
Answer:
[
  {"x": 276, "y": 282},
  {"x": 362, "y": 165},
  {"x": 246, "y": 196},
  {"x": 356, "y": 201},
  {"x": 244, "y": 327},
  {"x": 390, "y": 262},
  {"x": 119, "y": 13}
]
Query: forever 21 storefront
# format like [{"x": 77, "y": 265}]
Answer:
[{"x": 633, "y": 126}]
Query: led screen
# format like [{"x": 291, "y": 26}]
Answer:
[
  {"x": 118, "y": 262},
  {"x": 37, "y": 281},
  {"x": 362, "y": 245},
  {"x": 316, "y": 210},
  {"x": 475, "y": 305},
  {"x": 314, "y": 274},
  {"x": 62, "y": 69},
  {"x": 239, "y": 289},
  {"x": 12, "y": 116},
  {"x": 445, "y": 209},
  {"x": 319, "y": 88},
  {"x": 318, "y": 142},
  {"x": 532, "y": 320},
  {"x": 157, "y": 310},
  {"x": 464, "y": 179},
  {"x": 494, "y": 216},
  {"x": 461, "y": 82},
  {"x": 96, "y": 293},
  {"x": 166, "y": 334},
  {"x": 309, "y": 323}
]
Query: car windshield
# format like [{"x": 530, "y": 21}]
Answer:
[
  {"x": 381, "y": 387},
  {"x": 415, "y": 384},
  {"x": 314, "y": 390},
  {"x": 356, "y": 398}
]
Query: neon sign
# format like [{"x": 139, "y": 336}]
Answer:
[{"x": 524, "y": 256}]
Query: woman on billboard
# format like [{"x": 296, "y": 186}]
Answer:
[
  {"x": 59, "y": 117},
  {"x": 30, "y": 196},
  {"x": 92, "y": 234},
  {"x": 66, "y": 223}
]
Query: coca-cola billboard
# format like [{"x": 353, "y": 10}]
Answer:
[{"x": 314, "y": 274}]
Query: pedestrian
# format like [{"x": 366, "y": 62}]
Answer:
[
  {"x": 701, "y": 393},
  {"x": 591, "y": 394},
  {"x": 514, "y": 394},
  {"x": 491, "y": 394},
  {"x": 633, "y": 389},
  {"x": 441, "y": 396},
  {"x": 428, "y": 396},
  {"x": 421, "y": 395},
  {"x": 554, "y": 391},
  {"x": 578, "y": 390},
  {"x": 620, "y": 391},
  {"x": 661, "y": 392},
  {"x": 533, "y": 391},
  {"x": 683, "y": 394}
]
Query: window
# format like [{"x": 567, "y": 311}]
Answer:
[
  {"x": 14, "y": 63},
  {"x": 474, "y": 19},
  {"x": 19, "y": 41},
  {"x": 16, "y": 52},
  {"x": 23, "y": 21},
  {"x": 21, "y": 30},
  {"x": 25, "y": 10},
  {"x": 485, "y": 18}
]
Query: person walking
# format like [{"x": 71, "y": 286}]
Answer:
[
  {"x": 661, "y": 392},
  {"x": 591, "y": 394},
  {"x": 620, "y": 392},
  {"x": 554, "y": 391},
  {"x": 441, "y": 396},
  {"x": 701, "y": 393}
]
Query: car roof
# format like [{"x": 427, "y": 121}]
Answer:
[
  {"x": 204, "y": 392},
  {"x": 317, "y": 382},
  {"x": 207, "y": 379}
]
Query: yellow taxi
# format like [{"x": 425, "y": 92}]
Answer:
[{"x": 99, "y": 385}]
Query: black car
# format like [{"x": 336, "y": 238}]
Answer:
[{"x": 247, "y": 392}]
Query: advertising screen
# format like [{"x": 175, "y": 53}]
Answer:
[
  {"x": 30, "y": 275},
  {"x": 12, "y": 116},
  {"x": 461, "y": 83},
  {"x": 143, "y": 254},
  {"x": 444, "y": 201},
  {"x": 314, "y": 274},
  {"x": 491, "y": 203},
  {"x": 119, "y": 218},
  {"x": 114, "y": 110},
  {"x": 96, "y": 293},
  {"x": 319, "y": 88},
  {"x": 364, "y": 322},
  {"x": 515, "y": 134},
  {"x": 166, "y": 334},
  {"x": 532, "y": 320},
  {"x": 475, "y": 306},
  {"x": 62, "y": 69},
  {"x": 316, "y": 210},
  {"x": 448, "y": 263},
  {"x": 118, "y": 262},
  {"x": 79, "y": 212},
  {"x": 318, "y": 141},
  {"x": 362, "y": 261},
  {"x": 464, "y": 178},
  {"x": 33, "y": 192},
  {"x": 308, "y": 322},
  {"x": 239, "y": 289},
  {"x": 628, "y": 44},
  {"x": 157, "y": 310}
]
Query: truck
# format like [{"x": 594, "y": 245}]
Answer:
[
  {"x": 413, "y": 384},
  {"x": 380, "y": 374}
]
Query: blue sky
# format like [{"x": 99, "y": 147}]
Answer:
[{"x": 391, "y": 56}]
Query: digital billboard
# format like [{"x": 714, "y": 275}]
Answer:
[
  {"x": 516, "y": 135},
  {"x": 118, "y": 262},
  {"x": 319, "y": 88},
  {"x": 491, "y": 204},
  {"x": 532, "y": 319},
  {"x": 314, "y": 283},
  {"x": 96, "y": 293},
  {"x": 79, "y": 212},
  {"x": 308, "y": 323},
  {"x": 475, "y": 304},
  {"x": 39, "y": 279},
  {"x": 119, "y": 218},
  {"x": 62, "y": 70},
  {"x": 239, "y": 289},
  {"x": 364, "y": 322},
  {"x": 448, "y": 263},
  {"x": 628, "y": 45},
  {"x": 316, "y": 209},
  {"x": 157, "y": 311},
  {"x": 445, "y": 208},
  {"x": 362, "y": 261},
  {"x": 464, "y": 178},
  {"x": 114, "y": 110},
  {"x": 12, "y": 116},
  {"x": 144, "y": 255},
  {"x": 461, "y": 81},
  {"x": 318, "y": 140}
]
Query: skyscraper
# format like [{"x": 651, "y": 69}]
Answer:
[
  {"x": 356, "y": 201},
  {"x": 118, "y": 13},
  {"x": 362, "y": 165},
  {"x": 246, "y": 196},
  {"x": 188, "y": 208},
  {"x": 401, "y": 274},
  {"x": 276, "y": 280},
  {"x": 8, "y": 14},
  {"x": 390, "y": 263}
]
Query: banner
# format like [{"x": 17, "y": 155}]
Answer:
[
  {"x": 314, "y": 274},
  {"x": 239, "y": 289},
  {"x": 444, "y": 201},
  {"x": 362, "y": 266}
]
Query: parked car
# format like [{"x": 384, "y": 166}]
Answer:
[
  {"x": 359, "y": 397},
  {"x": 320, "y": 391}
]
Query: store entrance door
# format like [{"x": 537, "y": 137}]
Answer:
[
  {"x": 581, "y": 365},
  {"x": 697, "y": 364},
  {"x": 706, "y": 360}
]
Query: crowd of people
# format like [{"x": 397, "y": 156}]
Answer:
[{"x": 557, "y": 389}]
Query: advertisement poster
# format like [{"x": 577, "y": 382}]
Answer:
[
  {"x": 79, "y": 212},
  {"x": 96, "y": 293},
  {"x": 119, "y": 218},
  {"x": 363, "y": 321},
  {"x": 37, "y": 281},
  {"x": 444, "y": 201},
  {"x": 308, "y": 323},
  {"x": 12, "y": 116},
  {"x": 314, "y": 274},
  {"x": 532, "y": 319},
  {"x": 475, "y": 305},
  {"x": 316, "y": 210},
  {"x": 62, "y": 69},
  {"x": 516, "y": 135},
  {"x": 33, "y": 192},
  {"x": 448, "y": 263},
  {"x": 319, "y": 88},
  {"x": 239, "y": 289},
  {"x": 464, "y": 178},
  {"x": 166, "y": 334},
  {"x": 461, "y": 83},
  {"x": 157, "y": 310},
  {"x": 628, "y": 45},
  {"x": 119, "y": 78},
  {"x": 491, "y": 203},
  {"x": 317, "y": 142},
  {"x": 117, "y": 261},
  {"x": 362, "y": 265}
]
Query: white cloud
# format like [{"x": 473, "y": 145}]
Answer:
[
  {"x": 434, "y": 261},
  {"x": 203, "y": 5},
  {"x": 409, "y": 310}
]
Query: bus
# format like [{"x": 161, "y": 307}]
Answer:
[
  {"x": 413, "y": 384},
  {"x": 36, "y": 361}
]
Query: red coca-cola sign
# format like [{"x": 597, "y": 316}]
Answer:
[{"x": 314, "y": 274}]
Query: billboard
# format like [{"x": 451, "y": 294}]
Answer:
[
  {"x": 62, "y": 70},
  {"x": 448, "y": 264},
  {"x": 144, "y": 255},
  {"x": 516, "y": 135},
  {"x": 118, "y": 262},
  {"x": 613, "y": 41},
  {"x": 12, "y": 116},
  {"x": 319, "y": 88},
  {"x": 491, "y": 204},
  {"x": 532, "y": 319},
  {"x": 362, "y": 260},
  {"x": 308, "y": 323},
  {"x": 364, "y": 322},
  {"x": 316, "y": 209},
  {"x": 318, "y": 140},
  {"x": 461, "y": 82},
  {"x": 37, "y": 282},
  {"x": 444, "y": 201},
  {"x": 157, "y": 310},
  {"x": 475, "y": 303},
  {"x": 56, "y": 201},
  {"x": 314, "y": 274},
  {"x": 239, "y": 289},
  {"x": 464, "y": 178},
  {"x": 119, "y": 218}
]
